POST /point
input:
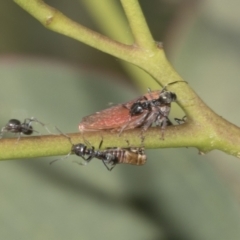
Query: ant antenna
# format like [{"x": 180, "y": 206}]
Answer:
[
  {"x": 33, "y": 119},
  {"x": 53, "y": 161},
  {"x": 171, "y": 83},
  {"x": 69, "y": 139}
]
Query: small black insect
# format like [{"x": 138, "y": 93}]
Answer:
[
  {"x": 110, "y": 156},
  {"x": 142, "y": 104},
  {"x": 15, "y": 126},
  {"x": 152, "y": 110}
]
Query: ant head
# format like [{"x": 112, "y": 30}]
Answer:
[
  {"x": 79, "y": 149},
  {"x": 167, "y": 97}
]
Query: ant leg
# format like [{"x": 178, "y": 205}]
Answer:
[
  {"x": 150, "y": 119},
  {"x": 100, "y": 144},
  {"x": 81, "y": 164},
  {"x": 33, "y": 119},
  {"x": 135, "y": 123},
  {"x": 85, "y": 162},
  {"x": 65, "y": 135},
  {"x": 69, "y": 139},
  {"x": 108, "y": 168},
  {"x": 181, "y": 120},
  {"x": 19, "y": 136},
  {"x": 168, "y": 122},
  {"x": 109, "y": 161},
  {"x": 163, "y": 126},
  {"x": 55, "y": 160},
  {"x": 3, "y": 130}
]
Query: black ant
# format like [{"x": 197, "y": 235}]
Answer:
[
  {"x": 152, "y": 110},
  {"x": 15, "y": 126},
  {"x": 110, "y": 156}
]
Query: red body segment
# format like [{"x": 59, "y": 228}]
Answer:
[{"x": 116, "y": 117}]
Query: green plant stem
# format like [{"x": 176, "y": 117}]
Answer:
[
  {"x": 56, "y": 21},
  {"x": 154, "y": 62},
  {"x": 204, "y": 130},
  {"x": 142, "y": 35},
  {"x": 52, "y": 145},
  {"x": 108, "y": 9},
  {"x": 185, "y": 135}
]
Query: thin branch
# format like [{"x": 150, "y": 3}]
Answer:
[
  {"x": 58, "y": 22},
  {"x": 52, "y": 145},
  {"x": 142, "y": 35},
  {"x": 106, "y": 10},
  {"x": 119, "y": 30},
  {"x": 190, "y": 134}
]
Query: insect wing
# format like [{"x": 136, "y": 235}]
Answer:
[
  {"x": 114, "y": 117},
  {"x": 110, "y": 118}
]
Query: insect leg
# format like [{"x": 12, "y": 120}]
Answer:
[
  {"x": 181, "y": 120},
  {"x": 109, "y": 161},
  {"x": 135, "y": 123},
  {"x": 3, "y": 130},
  {"x": 33, "y": 119}
]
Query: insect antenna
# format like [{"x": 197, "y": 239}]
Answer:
[
  {"x": 164, "y": 87},
  {"x": 171, "y": 83},
  {"x": 70, "y": 140},
  {"x": 33, "y": 119},
  {"x": 55, "y": 160}
]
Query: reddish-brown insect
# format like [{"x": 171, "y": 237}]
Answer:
[{"x": 153, "y": 107}]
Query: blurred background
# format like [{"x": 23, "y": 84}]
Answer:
[{"x": 178, "y": 194}]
